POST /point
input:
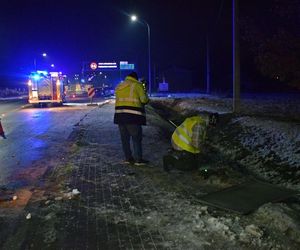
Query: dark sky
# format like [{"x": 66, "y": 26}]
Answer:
[{"x": 72, "y": 32}]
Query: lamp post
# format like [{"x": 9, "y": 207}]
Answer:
[
  {"x": 34, "y": 60},
  {"x": 134, "y": 19}
]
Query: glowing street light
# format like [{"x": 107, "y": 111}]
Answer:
[
  {"x": 44, "y": 54},
  {"x": 135, "y": 19}
]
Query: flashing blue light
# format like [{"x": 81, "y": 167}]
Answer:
[
  {"x": 82, "y": 80},
  {"x": 43, "y": 72},
  {"x": 36, "y": 77}
]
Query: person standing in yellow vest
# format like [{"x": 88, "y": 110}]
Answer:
[{"x": 130, "y": 115}]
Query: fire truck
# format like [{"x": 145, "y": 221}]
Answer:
[{"x": 44, "y": 87}]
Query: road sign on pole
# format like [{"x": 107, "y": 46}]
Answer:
[
  {"x": 91, "y": 93},
  {"x": 93, "y": 65}
]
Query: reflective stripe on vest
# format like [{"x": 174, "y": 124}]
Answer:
[
  {"x": 131, "y": 91},
  {"x": 181, "y": 136},
  {"x": 127, "y": 99},
  {"x": 182, "y": 140},
  {"x": 136, "y": 112},
  {"x": 189, "y": 133}
]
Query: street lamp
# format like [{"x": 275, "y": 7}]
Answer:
[
  {"x": 135, "y": 19},
  {"x": 34, "y": 60}
]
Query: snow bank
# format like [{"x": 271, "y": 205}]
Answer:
[{"x": 281, "y": 220}]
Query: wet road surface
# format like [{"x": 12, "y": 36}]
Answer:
[{"x": 33, "y": 137}]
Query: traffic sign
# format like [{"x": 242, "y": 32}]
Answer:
[
  {"x": 93, "y": 65},
  {"x": 126, "y": 66},
  {"x": 91, "y": 92}
]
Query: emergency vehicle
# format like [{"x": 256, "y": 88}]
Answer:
[{"x": 44, "y": 87}]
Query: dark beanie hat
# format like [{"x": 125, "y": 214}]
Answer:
[{"x": 134, "y": 75}]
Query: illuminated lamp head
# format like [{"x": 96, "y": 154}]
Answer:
[
  {"x": 133, "y": 18},
  {"x": 36, "y": 77}
]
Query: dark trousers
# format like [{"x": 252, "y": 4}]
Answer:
[
  {"x": 181, "y": 160},
  {"x": 134, "y": 131}
]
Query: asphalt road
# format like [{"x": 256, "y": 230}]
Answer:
[
  {"x": 34, "y": 137},
  {"x": 9, "y": 105}
]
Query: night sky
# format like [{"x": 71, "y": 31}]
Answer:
[{"x": 72, "y": 32}]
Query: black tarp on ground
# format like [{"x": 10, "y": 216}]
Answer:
[{"x": 246, "y": 197}]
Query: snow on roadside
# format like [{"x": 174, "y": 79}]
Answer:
[
  {"x": 279, "y": 137},
  {"x": 274, "y": 147},
  {"x": 281, "y": 219}
]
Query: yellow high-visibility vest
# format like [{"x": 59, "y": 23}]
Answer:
[
  {"x": 130, "y": 101},
  {"x": 182, "y": 136},
  {"x": 130, "y": 93}
]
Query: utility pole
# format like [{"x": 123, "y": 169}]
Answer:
[
  {"x": 154, "y": 77},
  {"x": 207, "y": 66},
  {"x": 235, "y": 57},
  {"x": 149, "y": 59}
]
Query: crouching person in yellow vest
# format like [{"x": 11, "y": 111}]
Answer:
[{"x": 187, "y": 142}]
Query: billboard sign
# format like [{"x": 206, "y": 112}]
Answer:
[
  {"x": 107, "y": 65},
  {"x": 163, "y": 86},
  {"x": 124, "y": 65}
]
